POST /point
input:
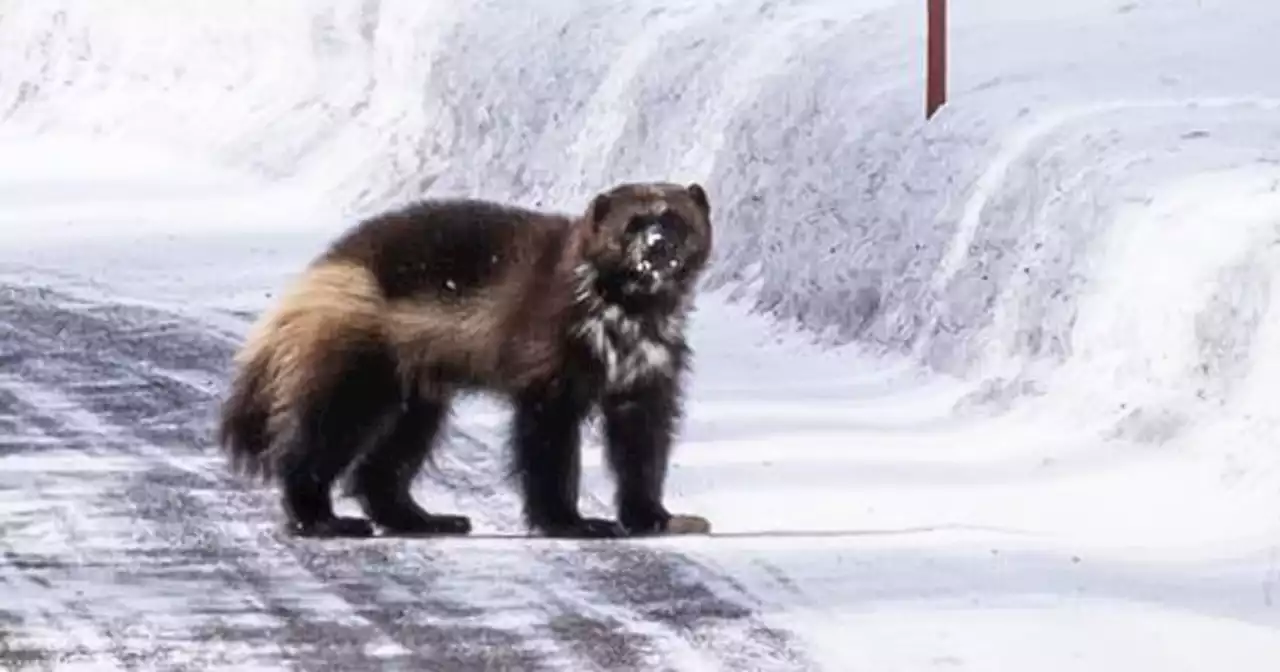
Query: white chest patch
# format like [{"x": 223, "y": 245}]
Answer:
[{"x": 626, "y": 352}]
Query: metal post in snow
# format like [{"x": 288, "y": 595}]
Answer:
[{"x": 936, "y": 76}]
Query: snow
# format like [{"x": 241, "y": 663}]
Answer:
[{"x": 989, "y": 392}]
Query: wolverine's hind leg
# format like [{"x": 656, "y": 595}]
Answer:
[
  {"x": 348, "y": 398},
  {"x": 383, "y": 478}
]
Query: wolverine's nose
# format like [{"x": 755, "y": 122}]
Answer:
[{"x": 658, "y": 241}]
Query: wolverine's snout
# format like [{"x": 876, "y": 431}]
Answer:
[
  {"x": 655, "y": 249},
  {"x": 658, "y": 239}
]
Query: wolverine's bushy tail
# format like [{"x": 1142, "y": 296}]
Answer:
[{"x": 243, "y": 426}]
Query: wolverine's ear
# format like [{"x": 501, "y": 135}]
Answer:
[
  {"x": 699, "y": 196},
  {"x": 599, "y": 209}
]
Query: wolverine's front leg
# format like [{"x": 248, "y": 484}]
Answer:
[
  {"x": 639, "y": 426},
  {"x": 547, "y": 439}
]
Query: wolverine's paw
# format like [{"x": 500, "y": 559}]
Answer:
[
  {"x": 586, "y": 528},
  {"x": 429, "y": 525},
  {"x": 339, "y": 526}
]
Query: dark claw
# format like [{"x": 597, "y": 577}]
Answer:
[
  {"x": 430, "y": 525},
  {"x": 586, "y": 528},
  {"x": 336, "y": 527},
  {"x": 646, "y": 525}
]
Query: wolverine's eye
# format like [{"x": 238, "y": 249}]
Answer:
[
  {"x": 674, "y": 228},
  {"x": 671, "y": 222},
  {"x": 637, "y": 224}
]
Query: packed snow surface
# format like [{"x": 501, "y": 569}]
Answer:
[{"x": 994, "y": 391}]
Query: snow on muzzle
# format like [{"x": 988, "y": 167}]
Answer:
[{"x": 656, "y": 250}]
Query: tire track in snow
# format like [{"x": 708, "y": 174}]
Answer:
[
  {"x": 576, "y": 605},
  {"x": 128, "y": 543},
  {"x": 71, "y": 541}
]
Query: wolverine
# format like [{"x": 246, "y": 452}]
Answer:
[{"x": 351, "y": 374}]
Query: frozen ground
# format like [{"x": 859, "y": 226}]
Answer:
[{"x": 1050, "y": 444}]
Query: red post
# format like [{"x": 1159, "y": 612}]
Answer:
[{"x": 936, "y": 78}]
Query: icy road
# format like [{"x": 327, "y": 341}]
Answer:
[{"x": 994, "y": 392}]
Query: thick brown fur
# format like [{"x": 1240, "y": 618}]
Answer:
[{"x": 355, "y": 367}]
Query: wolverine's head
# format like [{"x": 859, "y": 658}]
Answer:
[{"x": 648, "y": 240}]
